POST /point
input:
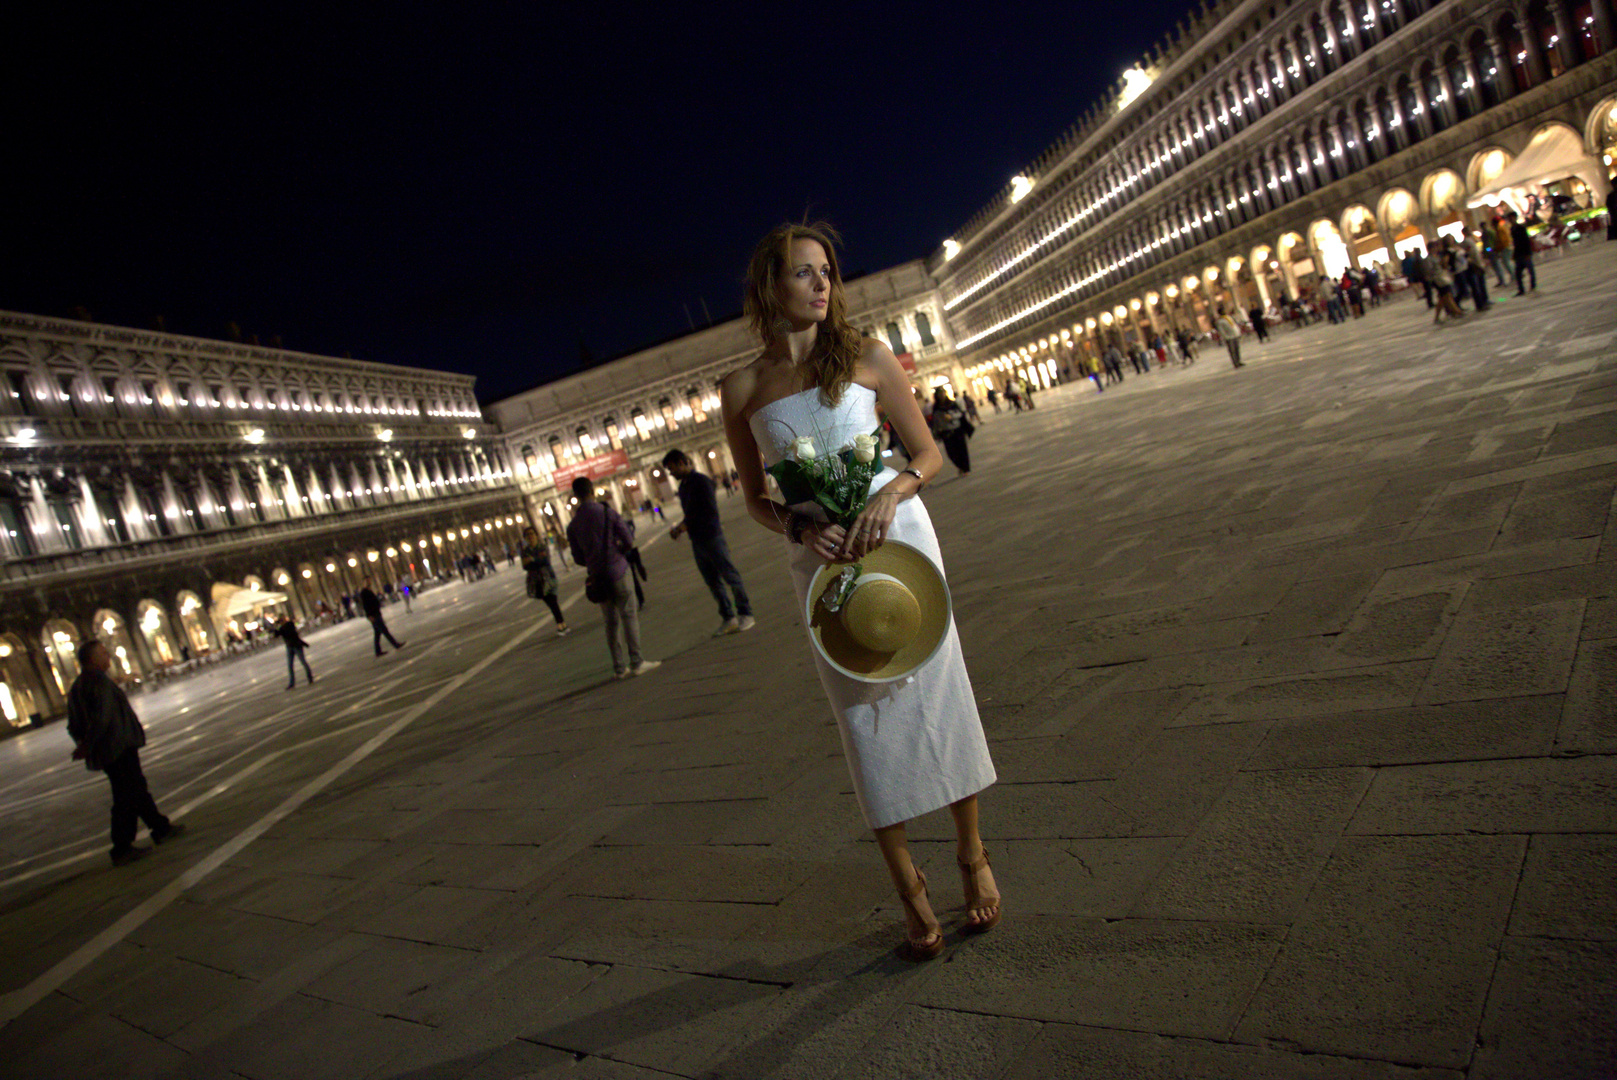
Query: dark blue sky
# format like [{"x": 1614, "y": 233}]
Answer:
[{"x": 483, "y": 187}]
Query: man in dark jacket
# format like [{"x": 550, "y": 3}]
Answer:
[
  {"x": 699, "y": 499},
  {"x": 107, "y": 736},
  {"x": 287, "y": 631},
  {"x": 372, "y": 605},
  {"x": 1521, "y": 246}
]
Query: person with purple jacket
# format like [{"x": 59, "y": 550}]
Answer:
[{"x": 598, "y": 538}]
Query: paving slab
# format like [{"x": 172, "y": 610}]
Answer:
[
  {"x": 1521, "y": 796},
  {"x": 1589, "y": 720},
  {"x": 1506, "y": 653},
  {"x": 1393, "y": 954},
  {"x": 1181, "y": 978},
  {"x": 1461, "y": 731},
  {"x": 1074, "y": 1052},
  {"x": 1566, "y": 888},
  {"x": 1256, "y": 854},
  {"x": 1550, "y": 1010}
]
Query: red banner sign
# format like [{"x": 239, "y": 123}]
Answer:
[
  {"x": 907, "y": 362},
  {"x": 596, "y": 468}
]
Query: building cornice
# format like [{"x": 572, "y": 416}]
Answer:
[{"x": 73, "y": 332}]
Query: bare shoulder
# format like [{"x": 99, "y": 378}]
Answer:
[
  {"x": 736, "y": 388},
  {"x": 743, "y": 378},
  {"x": 877, "y": 362}
]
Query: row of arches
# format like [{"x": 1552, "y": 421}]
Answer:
[
  {"x": 46, "y": 511},
  {"x": 1375, "y": 233},
  {"x": 1460, "y": 76},
  {"x": 154, "y": 635}
]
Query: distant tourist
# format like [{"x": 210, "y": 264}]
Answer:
[
  {"x": 1231, "y": 336},
  {"x": 371, "y": 604},
  {"x": 1521, "y": 246},
  {"x": 287, "y": 631},
  {"x": 541, "y": 576},
  {"x": 952, "y": 429},
  {"x": 598, "y": 538},
  {"x": 708, "y": 545},
  {"x": 1260, "y": 325}
]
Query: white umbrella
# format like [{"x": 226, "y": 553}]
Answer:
[{"x": 1554, "y": 154}]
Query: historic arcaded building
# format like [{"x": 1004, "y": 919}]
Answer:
[
  {"x": 1268, "y": 143},
  {"x": 614, "y": 423},
  {"x": 160, "y": 492}
]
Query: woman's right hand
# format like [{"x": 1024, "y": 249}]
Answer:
[{"x": 825, "y": 540}]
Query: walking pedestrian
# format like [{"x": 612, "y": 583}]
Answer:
[
  {"x": 1260, "y": 325},
  {"x": 1493, "y": 252},
  {"x": 993, "y": 398},
  {"x": 1476, "y": 276},
  {"x": 637, "y": 565},
  {"x": 1415, "y": 272},
  {"x": 1521, "y": 246},
  {"x": 541, "y": 576},
  {"x": 371, "y": 604},
  {"x": 708, "y": 545},
  {"x": 951, "y": 428},
  {"x": 1092, "y": 366},
  {"x": 287, "y": 631},
  {"x": 1013, "y": 395},
  {"x": 971, "y": 408},
  {"x": 598, "y": 539},
  {"x": 1436, "y": 273},
  {"x": 1231, "y": 336},
  {"x": 107, "y": 736},
  {"x": 1113, "y": 361}
]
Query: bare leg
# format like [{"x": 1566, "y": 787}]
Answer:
[
  {"x": 968, "y": 849},
  {"x": 895, "y": 851}
]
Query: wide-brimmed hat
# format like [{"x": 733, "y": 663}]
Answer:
[{"x": 889, "y": 623}]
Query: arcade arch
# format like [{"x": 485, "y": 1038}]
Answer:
[
  {"x": 22, "y": 699},
  {"x": 111, "y": 630},
  {"x": 60, "y": 640},
  {"x": 153, "y": 623}
]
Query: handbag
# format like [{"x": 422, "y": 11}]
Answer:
[{"x": 598, "y": 590}]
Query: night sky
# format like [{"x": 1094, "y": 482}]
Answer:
[{"x": 493, "y": 190}]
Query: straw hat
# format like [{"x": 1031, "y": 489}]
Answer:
[{"x": 890, "y": 624}]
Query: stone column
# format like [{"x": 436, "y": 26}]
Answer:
[{"x": 1567, "y": 46}]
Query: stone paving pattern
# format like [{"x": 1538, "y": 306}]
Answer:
[{"x": 1302, "y": 686}]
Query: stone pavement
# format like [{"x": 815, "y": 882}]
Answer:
[{"x": 1302, "y": 686}]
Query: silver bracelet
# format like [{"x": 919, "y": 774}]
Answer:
[{"x": 915, "y": 473}]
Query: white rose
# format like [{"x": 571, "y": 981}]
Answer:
[
  {"x": 864, "y": 448},
  {"x": 804, "y": 448}
]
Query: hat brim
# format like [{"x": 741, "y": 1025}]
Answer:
[{"x": 838, "y": 648}]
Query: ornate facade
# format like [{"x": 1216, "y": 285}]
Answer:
[
  {"x": 1266, "y": 144},
  {"x": 145, "y": 476},
  {"x": 615, "y": 422}
]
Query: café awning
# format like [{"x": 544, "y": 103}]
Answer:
[
  {"x": 244, "y": 601},
  {"x": 1554, "y": 154}
]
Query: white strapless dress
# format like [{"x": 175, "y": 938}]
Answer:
[{"x": 912, "y": 746}]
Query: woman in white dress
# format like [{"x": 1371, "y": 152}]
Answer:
[{"x": 915, "y": 745}]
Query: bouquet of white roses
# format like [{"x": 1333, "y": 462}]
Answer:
[{"x": 839, "y": 480}]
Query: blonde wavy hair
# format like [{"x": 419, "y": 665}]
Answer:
[{"x": 837, "y": 345}]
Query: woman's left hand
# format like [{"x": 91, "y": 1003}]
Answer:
[{"x": 871, "y": 527}]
